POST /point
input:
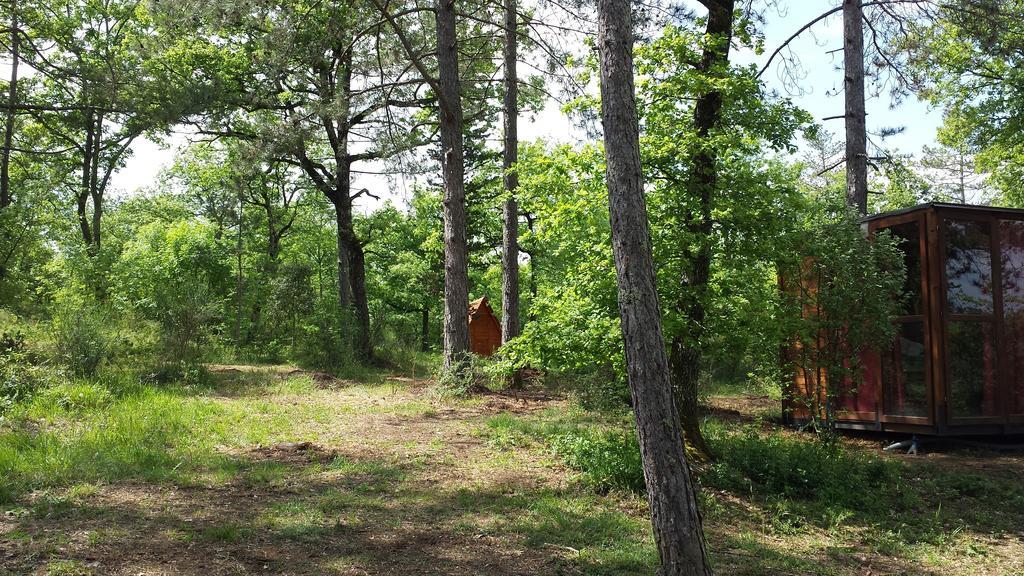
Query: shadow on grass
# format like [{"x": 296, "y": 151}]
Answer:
[
  {"x": 321, "y": 513},
  {"x": 900, "y": 504}
]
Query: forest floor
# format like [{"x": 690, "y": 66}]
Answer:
[{"x": 278, "y": 471}]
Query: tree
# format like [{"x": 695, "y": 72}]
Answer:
[
  {"x": 325, "y": 95},
  {"x": 881, "y": 59},
  {"x": 677, "y": 527},
  {"x": 510, "y": 210},
  {"x": 10, "y": 114},
  {"x": 685, "y": 356},
  {"x": 968, "y": 59},
  {"x": 450, "y": 126},
  {"x": 108, "y": 78},
  {"x": 950, "y": 168},
  {"x": 854, "y": 116}
]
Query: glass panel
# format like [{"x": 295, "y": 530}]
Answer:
[
  {"x": 905, "y": 390},
  {"x": 968, "y": 267},
  {"x": 1011, "y": 257},
  {"x": 908, "y": 237},
  {"x": 972, "y": 370},
  {"x": 1013, "y": 347}
]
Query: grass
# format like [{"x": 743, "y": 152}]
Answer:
[
  {"x": 770, "y": 486},
  {"x": 397, "y": 480}
]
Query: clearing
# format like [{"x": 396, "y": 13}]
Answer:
[{"x": 276, "y": 471}]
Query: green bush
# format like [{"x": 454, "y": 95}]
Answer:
[
  {"x": 607, "y": 460},
  {"x": 183, "y": 373},
  {"x": 82, "y": 342},
  {"x": 477, "y": 374},
  {"x": 77, "y": 396},
  {"x": 16, "y": 383},
  {"x": 795, "y": 468}
]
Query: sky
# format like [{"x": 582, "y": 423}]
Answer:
[{"x": 823, "y": 75}]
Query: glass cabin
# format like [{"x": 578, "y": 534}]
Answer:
[{"x": 957, "y": 366}]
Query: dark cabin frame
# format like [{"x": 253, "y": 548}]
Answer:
[{"x": 999, "y": 384}]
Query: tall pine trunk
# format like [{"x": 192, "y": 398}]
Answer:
[
  {"x": 6, "y": 197},
  {"x": 677, "y": 526},
  {"x": 853, "y": 92},
  {"x": 342, "y": 218},
  {"x": 686, "y": 353},
  {"x": 510, "y": 211},
  {"x": 456, "y": 266},
  {"x": 360, "y": 304}
]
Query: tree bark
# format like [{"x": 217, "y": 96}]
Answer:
[
  {"x": 425, "y": 328},
  {"x": 456, "y": 268},
  {"x": 686, "y": 355},
  {"x": 360, "y": 304},
  {"x": 342, "y": 220},
  {"x": 510, "y": 211},
  {"x": 239, "y": 277},
  {"x": 853, "y": 92},
  {"x": 670, "y": 493},
  {"x": 6, "y": 197}
]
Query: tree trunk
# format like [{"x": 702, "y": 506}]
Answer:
[
  {"x": 6, "y": 197},
  {"x": 510, "y": 211},
  {"x": 686, "y": 353},
  {"x": 95, "y": 190},
  {"x": 360, "y": 304},
  {"x": 456, "y": 267},
  {"x": 534, "y": 270},
  {"x": 343, "y": 219},
  {"x": 239, "y": 279},
  {"x": 670, "y": 493},
  {"x": 853, "y": 92},
  {"x": 425, "y": 328},
  {"x": 82, "y": 196}
]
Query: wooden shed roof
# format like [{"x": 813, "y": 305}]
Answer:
[{"x": 479, "y": 306}]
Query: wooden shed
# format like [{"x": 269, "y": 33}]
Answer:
[
  {"x": 957, "y": 365},
  {"x": 484, "y": 329}
]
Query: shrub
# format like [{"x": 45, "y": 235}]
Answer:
[
  {"x": 16, "y": 383},
  {"x": 607, "y": 460},
  {"x": 320, "y": 346},
  {"x": 184, "y": 373},
  {"x": 778, "y": 465},
  {"x": 75, "y": 396},
  {"x": 476, "y": 374},
  {"x": 185, "y": 315},
  {"x": 82, "y": 343}
]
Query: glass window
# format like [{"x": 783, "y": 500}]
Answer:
[
  {"x": 968, "y": 267},
  {"x": 908, "y": 237},
  {"x": 972, "y": 369},
  {"x": 903, "y": 373},
  {"x": 1011, "y": 258}
]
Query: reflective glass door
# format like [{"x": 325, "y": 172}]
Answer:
[
  {"x": 972, "y": 366},
  {"x": 905, "y": 368}
]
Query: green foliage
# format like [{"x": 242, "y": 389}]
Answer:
[
  {"x": 16, "y": 381},
  {"x": 968, "y": 61},
  {"x": 176, "y": 275},
  {"x": 76, "y": 396},
  {"x": 606, "y": 460},
  {"x": 778, "y": 465},
  {"x": 474, "y": 374},
  {"x": 80, "y": 332},
  {"x": 840, "y": 294}
]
